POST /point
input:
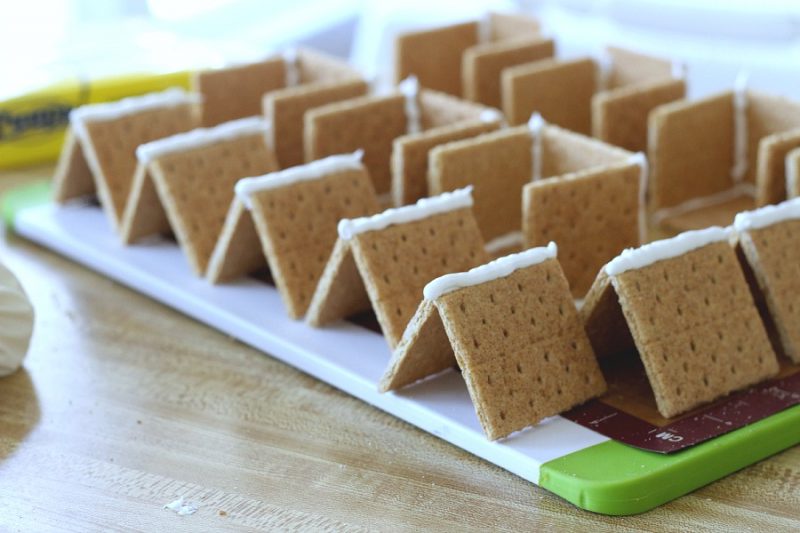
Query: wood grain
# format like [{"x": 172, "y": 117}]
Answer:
[{"x": 124, "y": 405}]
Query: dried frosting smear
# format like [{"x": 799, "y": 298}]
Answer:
[{"x": 16, "y": 323}]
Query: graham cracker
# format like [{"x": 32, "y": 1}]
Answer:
[
  {"x": 771, "y": 177},
  {"x": 694, "y": 324},
  {"x": 505, "y": 26},
  {"x": 196, "y": 187},
  {"x": 370, "y": 123},
  {"x": 767, "y": 115},
  {"x": 314, "y": 66},
  {"x": 409, "y": 163},
  {"x": 773, "y": 255},
  {"x": 565, "y": 151},
  {"x": 561, "y": 91},
  {"x": 631, "y": 68},
  {"x": 296, "y": 224},
  {"x": 237, "y": 251},
  {"x": 793, "y": 173},
  {"x": 110, "y": 145},
  {"x": 434, "y": 56},
  {"x": 604, "y": 321},
  {"x": 72, "y": 177},
  {"x": 483, "y": 64},
  {"x": 593, "y": 215},
  {"x": 286, "y": 108},
  {"x": 235, "y": 92},
  {"x": 144, "y": 214},
  {"x": 441, "y": 109},
  {"x": 690, "y": 150},
  {"x": 620, "y": 116},
  {"x": 719, "y": 213},
  {"x": 497, "y": 165},
  {"x": 387, "y": 268},
  {"x": 518, "y": 341}
]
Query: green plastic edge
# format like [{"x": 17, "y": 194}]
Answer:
[
  {"x": 615, "y": 479},
  {"x": 28, "y": 195}
]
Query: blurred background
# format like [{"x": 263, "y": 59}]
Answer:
[{"x": 45, "y": 41}]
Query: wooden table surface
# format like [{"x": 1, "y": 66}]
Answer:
[{"x": 124, "y": 405}]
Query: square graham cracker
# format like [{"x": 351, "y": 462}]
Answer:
[
  {"x": 296, "y": 225},
  {"x": 72, "y": 177},
  {"x": 497, "y": 165},
  {"x": 286, "y": 109},
  {"x": 690, "y": 150},
  {"x": 236, "y": 91},
  {"x": 386, "y": 269},
  {"x": 196, "y": 188},
  {"x": 767, "y": 115},
  {"x": 510, "y": 26},
  {"x": 628, "y": 67},
  {"x": 483, "y": 65},
  {"x": 409, "y": 163},
  {"x": 443, "y": 118},
  {"x": 441, "y": 109},
  {"x": 518, "y": 341},
  {"x": 771, "y": 166},
  {"x": 370, "y": 123},
  {"x": 620, "y": 116},
  {"x": 373, "y": 123},
  {"x": 793, "y": 173},
  {"x": 434, "y": 56},
  {"x": 691, "y": 317},
  {"x": 772, "y": 253},
  {"x": 593, "y": 215},
  {"x": 108, "y": 149},
  {"x": 561, "y": 91},
  {"x": 564, "y": 151}
]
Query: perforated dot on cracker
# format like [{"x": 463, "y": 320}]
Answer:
[
  {"x": 685, "y": 306},
  {"x": 512, "y": 328},
  {"x": 373, "y": 123},
  {"x": 99, "y": 153},
  {"x": 769, "y": 239},
  {"x": 295, "y": 213},
  {"x": 710, "y": 157},
  {"x": 383, "y": 262},
  {"x": 435, "y": 55},
  {"x": 188, "y": 180},
  {"x": 609, "y": 98}
]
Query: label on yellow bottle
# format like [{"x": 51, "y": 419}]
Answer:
[{"x": 32, "y": 126}]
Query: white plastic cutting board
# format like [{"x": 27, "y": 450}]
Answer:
[{"x": 346, "y": 356}]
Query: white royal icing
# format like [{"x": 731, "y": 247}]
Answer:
[
  {"x": 635, "y": 258},
  {"x": 535, "y": 125},
  {"x": 199, "y": 137},
  {"x": 424, "y": 208},
  {"x": 320, "y": 168},
  {"x": 127, "y": 106},
  {"x": 499, "y": 268},
  {"x": 767, "y": 215},
  {"x": 409, "y": 88}
]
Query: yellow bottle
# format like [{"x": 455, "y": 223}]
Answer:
[{"x": 32, "y": 126}]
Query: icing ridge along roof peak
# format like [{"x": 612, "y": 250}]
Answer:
[
  {"x": 635, "y": 258},
  {"x": 424, "y": 208},
  {"x": 499, "y": 268}
]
